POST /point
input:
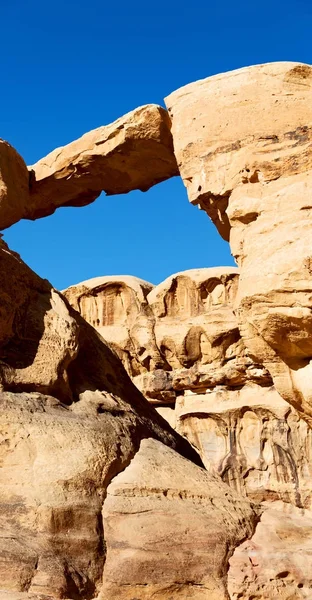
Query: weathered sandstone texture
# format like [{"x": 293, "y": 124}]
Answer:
[
  {"x": 180, "y": 343},
  {"x": 277, "y": 562},
  {"x": 243, "y": 146},
  {"x": 14, "y": 185},
  {"x": 70, "y": 421},
  {"x": 118, "y": 309},
  {"x": 56, "y": 463},
  {"x": 134, "y": 152},
  {"x": 102, "y": 496},
  {"x": 158, "y": 498}
]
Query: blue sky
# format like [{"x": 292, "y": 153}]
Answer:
[{"x": 67, "y": 67}]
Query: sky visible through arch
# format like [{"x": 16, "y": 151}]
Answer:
[{"x": 68, "y": 67}]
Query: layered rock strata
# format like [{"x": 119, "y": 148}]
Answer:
[{"x": 158, "y": 498}]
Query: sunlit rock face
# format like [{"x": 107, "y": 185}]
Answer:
[
  {"x": 118, "y": 309},
  {"x": 133, "y": 153},
  {"x": 63, "y": 537},
  {"x": 71, "y": 420},
  {"x": 243, "y": 145},
  {"x": 100, "y": 497},
  {"x": 158, "y": 498},
  {"x": 277, "y": 561},
  {"x": 14, "y": 185},
  {"x": 197, "y": 371}
]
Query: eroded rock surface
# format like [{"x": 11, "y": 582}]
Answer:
[
  {"x": 14, "y": 185},
  {"x": 158, "y": 498},
  {"x": 243, "y": 145},
  {"x": 194, "y": 366},
  {"x": 277, "y": 561},
  {"x": 56, "y": 463},
  {"x": 134, "y": 152},
  {"x": 70, "y": 421},
  {"x": 118, "y": 309},
  {"x": 100, "y": 497}
]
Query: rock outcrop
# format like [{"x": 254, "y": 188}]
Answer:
[
  {"x": 118, "y": 309},
  {"x": 100, "y": 496},
  {"x": 158, "y": 498},
  {"x": 14, "y": 185},
  {"x": 180, "y": 343},
  {"x": 56, "y": 463},
  {"x": 277, "y": 561},
  {"x": 70, "y": 421},
  {"x": 134, "y": 152},
  {"x": 243, "y": 146}
]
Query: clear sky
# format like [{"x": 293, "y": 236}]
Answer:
[{"x": 70, "y": 66}]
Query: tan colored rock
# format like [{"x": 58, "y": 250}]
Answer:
[
  {"x": 275, "y": 313},
  {"x": 209, "y": 388},
  {"x": 38, "y": 330},
  {"x": 183, "y": 306},
  {"x": 56, "y": 463},
  {"x": 134, "y": 152},
  {"x": 229, "y": 129},
  {"x": 48, "y": 348},
  {"x": 159, "y": 330},
  {"x": 277, "y": 561},
  {"x": 170, "y": 529},
  {"x": 243, "y": 145},
  {"x": 253, "y": 439},
  {"x": 117, "y": 307},
  {"x": 14, "y": 185},
  {"x": 57, "y": 459}
]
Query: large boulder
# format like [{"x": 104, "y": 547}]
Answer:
[
  {"x": 134, "y": 152},
  {"x": 243, "y": 146},
  {"x": 56, "y": 463},
  {"x": 157, "y": 515}
]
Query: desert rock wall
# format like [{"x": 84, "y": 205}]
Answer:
[
  {"x": 243, "y": 146},
  {"x": 156, "y": 440},
  {"x": 204, "y": 381}
]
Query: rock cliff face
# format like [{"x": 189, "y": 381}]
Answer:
[
  {"x": 243, "y": 146},
  {"x": 71, "y": 420},
  {"x": 14, "y": 185},
  {"x": 100, "y": 496},
  {"x": 183, "y": 339}
]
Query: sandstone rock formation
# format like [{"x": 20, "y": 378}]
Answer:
[
  {"x": 198, "y": 373},
  {"x": 243, "y": 146},
  {"x": 277, "y": 561},
  {"x": 99, "y": 496},
  {"x": 158, "y": 498},
  {"x": 70, "y": 421},
  {"x": 118, "y": 309},
  {"x": 134, "y": 152},
  {"x": 56, "y": 464},
  {"x": 14, "y": 185}
]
